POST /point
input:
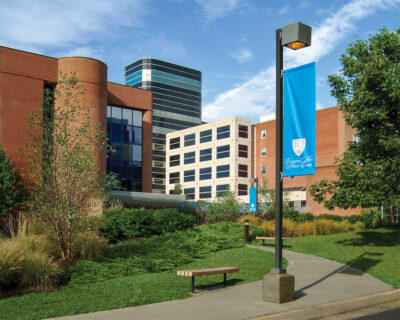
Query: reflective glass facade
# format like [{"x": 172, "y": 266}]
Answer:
[
  {"x": 176, "y": 103},
  {"x": 124, "y": 133}
]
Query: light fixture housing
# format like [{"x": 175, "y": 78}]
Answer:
[{"x": 296, "y": 35}]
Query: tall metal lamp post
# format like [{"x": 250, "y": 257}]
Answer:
[{"x": 278, "y": 286}]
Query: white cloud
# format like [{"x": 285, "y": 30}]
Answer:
[
  {"x": 257, "y": 95},
  {"x": 35, "y": 25},
  {"x": 211, "y": 10},
  {"x": 284, "y": 10},
  {"x": 242, "y": 55}
]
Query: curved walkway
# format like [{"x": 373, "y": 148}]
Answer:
[{"x": 317, "y": 281}]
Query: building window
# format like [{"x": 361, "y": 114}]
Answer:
[
  {"x": 243, "y": 131},
  {"x": 175, "y": 143},
  {"x": 263, "y": 169},
  {"x": 242, "y": 170},
  {"x": 205, "y": 173},
  {"x": 205, "y": 192},
  {"x": 264, "y": 134},
  {"x": 174, "y": 160},
  {"x": 189, "y": 193},
  {"x": 124, "y": 132},
  {"x": 190, "y": 139},
  {"x": 243, "y": 151},
  {"x": 263, "y": 151},
  {"x": 303, "y": 203},
  {"x": 205, "y": 136},
  {"x": 291, "y": 178},
  {"x": 223, "y": 152},
  {"x": 189, "y": 157},
  {"x": 242, "y": 190},
  {"x": 174, "y": 177},
  {"x": 223, "y": 171},
  {"x": 222, "y": 189},
  {"x": 188, "y": 176},
  {"x": 223, "y": 132},
  {"x": 205, "y": 155}
]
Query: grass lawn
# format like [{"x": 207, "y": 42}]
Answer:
[
  {"x": 375, "y": 251},
  {"x": 133, "y": 274}
]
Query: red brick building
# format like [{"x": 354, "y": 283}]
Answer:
[
  {"x": 332, "y": 137},
  {"x": 23, "y": 76}
]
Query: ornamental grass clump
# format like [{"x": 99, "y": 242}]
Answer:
[
  {"x": 269, "y": 227},
  {"x": 324, "y": 227},
  {"x": 89, "y": 245},
  {"x": 254, "y": 221}
]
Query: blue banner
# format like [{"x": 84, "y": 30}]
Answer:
[
  {"x": 253, "y": 200},
  {"x": 299, "y": 121}
]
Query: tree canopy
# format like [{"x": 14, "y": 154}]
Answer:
[{"x": 368, "y": 92}]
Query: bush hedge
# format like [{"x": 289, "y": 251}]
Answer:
[{"x": 121, "y": 224}]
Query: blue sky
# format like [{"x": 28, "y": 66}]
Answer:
[{"x": 231, "y": 41}]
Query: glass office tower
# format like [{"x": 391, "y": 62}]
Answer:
[{"x": 176, "y": 103}]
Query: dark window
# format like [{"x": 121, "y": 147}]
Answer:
[
  {"x": 223, "y": 152},
  {"x": 242, "y": 189},
  {"x": 205, "y": 173},
  {"x": 223, "y": 132},
  {"x": 242, "y": 170},
  {"x": 223, "y": 171},
  {"x": 189, "y": 157},
  {"x": 205, "y": 136},
  {"x": 205, "y": 155},
  {"x": 205, "y": 192},
  {"x": 263, "y": 151},
  {"x": 188, "y": 176},
  {"x": 174, "y": 177},
  {"x": 189, "y": 192},
  {"x": 124, "y": 132},
  {"x": 190, "y": 140},
  {"x": 222, "y": 189},
  {"x": 174, "y": 160},
  {"x": 243, "y": 131},
  {"x": 175, "y": 143},
  {"x": 243, "y": 151},
  {"x": 263, "y": 134},
  {"x": 263, "y": 169}
]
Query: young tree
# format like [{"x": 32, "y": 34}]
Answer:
[
  {"x": 63, "y": 174},
  {"x": 368, "y": 92},
  {"x": 177, "y": 188},
  {"x": 11, "y": 188}
]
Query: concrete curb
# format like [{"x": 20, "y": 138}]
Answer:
[{"x": 333, "y": 308}]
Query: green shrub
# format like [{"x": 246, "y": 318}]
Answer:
[
  {"x": 226, "y": 208},
  {"x": 120, "y": 224},
  {"x": 89, "y": 245},
  {"x": 297, "y": 216},
  {"x": 332, "y": 217}
]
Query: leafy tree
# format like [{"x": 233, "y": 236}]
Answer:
[
  {"x": 177, "y": 189},
  {"x": 63, "y": 174},
  {"x": 368, "y": 92},
  {"x": 11, "y": 188},
  {"x": 226, "y": 208},
  {"x": 266, "y": 198}
]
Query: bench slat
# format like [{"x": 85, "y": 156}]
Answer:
[
  {"x": 204, "y": 272},
  {"x": 272, "y": 238}
]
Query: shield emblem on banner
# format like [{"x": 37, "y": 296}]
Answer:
[{"x": 298, "y": 146}]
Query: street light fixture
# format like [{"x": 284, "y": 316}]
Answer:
[{"x": 278, "y": 286}]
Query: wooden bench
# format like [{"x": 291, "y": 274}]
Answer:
[
  {"x": 207, "y": 272},
  {"x": 270, "y": 238}
]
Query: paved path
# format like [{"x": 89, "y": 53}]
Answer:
[{"x": 317, "y": 281}]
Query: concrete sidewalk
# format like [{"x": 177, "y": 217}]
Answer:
[{"x": 317, "y": 281}]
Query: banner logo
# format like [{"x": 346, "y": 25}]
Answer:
[{"x": 298, "y": 146}]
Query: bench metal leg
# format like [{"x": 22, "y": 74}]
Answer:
[
  {"x": 263, "y": 242},
  {"x": 224, "y": 279},
  {"x": 192, "y": 284}
]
